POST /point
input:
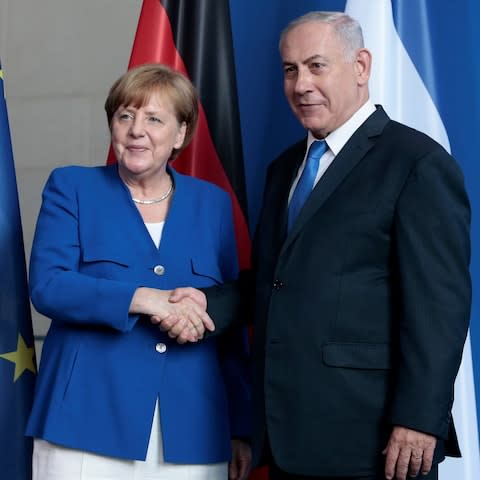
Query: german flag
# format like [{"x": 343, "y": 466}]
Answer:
[{"x": 195, "y": 38}]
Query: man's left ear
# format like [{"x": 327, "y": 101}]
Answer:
[{"x": 363, "y": 64}]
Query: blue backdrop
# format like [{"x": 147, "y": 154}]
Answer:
[{"x": 452, "y": 77}]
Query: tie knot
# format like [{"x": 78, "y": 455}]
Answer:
[{"x": 317, "y": 149}]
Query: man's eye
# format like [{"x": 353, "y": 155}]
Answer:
[
  {"x": 289, "y": 71},
  {"x": 317, "y": 66}
]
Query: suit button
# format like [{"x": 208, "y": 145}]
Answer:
[
  {"x": 160, "y": 347},
  {"x": 277, "y": 284},
  {"x": 158, "y": 269}
]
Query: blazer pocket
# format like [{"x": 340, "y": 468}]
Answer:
[
  {"x": 101, "y": 262},
  {"x": 208, "y": 269},
  {"x": 104, "y": 253},
  {"x": 357, "y": 355}
]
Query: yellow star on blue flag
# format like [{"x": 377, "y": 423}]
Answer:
[{"x": 22, "y": 357}]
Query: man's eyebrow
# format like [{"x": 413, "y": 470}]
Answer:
[{"x": 317, "y": 56}]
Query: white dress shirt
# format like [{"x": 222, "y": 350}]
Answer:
[{"x": 336, "y": 140}]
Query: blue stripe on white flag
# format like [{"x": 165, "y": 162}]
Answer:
[
  {"x": 395, "y": 81},
  {"x": 397, "y": 84}
]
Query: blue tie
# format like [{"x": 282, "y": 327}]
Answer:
[{"x": 305, "y": 183}]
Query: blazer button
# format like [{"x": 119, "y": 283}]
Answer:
[
  {"x": 277, "y": 284},
  {"x": 158, "y": 269},
  {"x": 160, "y": 347}
]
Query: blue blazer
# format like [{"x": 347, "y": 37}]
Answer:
[{"x": 102, "y": 369}]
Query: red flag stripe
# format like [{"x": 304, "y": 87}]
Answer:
[{"x": 154, "y": 39}]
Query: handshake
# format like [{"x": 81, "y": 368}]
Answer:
[{"x": 182, "y": 312}]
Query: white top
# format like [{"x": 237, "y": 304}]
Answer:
[{"x": 155, "y": 230}]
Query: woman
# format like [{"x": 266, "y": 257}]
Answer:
[{"x": 117, "y": 398}]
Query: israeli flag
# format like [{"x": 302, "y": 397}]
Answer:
[{"x": 396, "y": 84}]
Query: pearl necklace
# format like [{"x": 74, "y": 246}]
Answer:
[{"x": 155, "y": 200}]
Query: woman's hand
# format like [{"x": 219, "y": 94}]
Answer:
[
  {"x": 184, "y": 320},
  {"x": 187, "y": 326},
  {"x": 197, "y": 300}
]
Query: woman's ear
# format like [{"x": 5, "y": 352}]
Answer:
[{"x": 182, "y": 131}]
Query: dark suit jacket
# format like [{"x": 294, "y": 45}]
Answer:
[{"x": 362, "y": 310}]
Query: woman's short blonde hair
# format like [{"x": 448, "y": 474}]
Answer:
[{"x": 137, "y": 85}]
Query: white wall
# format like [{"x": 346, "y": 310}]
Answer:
[{"x": 59, "y": 59}]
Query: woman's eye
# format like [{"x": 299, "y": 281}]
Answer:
[
  {"x": 154, "y": 120},
  {"x": 125, "y": 116}
]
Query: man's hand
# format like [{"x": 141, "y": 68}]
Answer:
[
  {"x": 408, "y": 452},
  {"x": 188, "y": 292},
  {"x": 239, "y": 466}
]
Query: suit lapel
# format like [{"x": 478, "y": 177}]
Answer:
[
  {"x": 349, "y": 156},
  {"x": 274, "y": 219}
]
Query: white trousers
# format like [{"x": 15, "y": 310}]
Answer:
[{"x": 54, "y": 462}]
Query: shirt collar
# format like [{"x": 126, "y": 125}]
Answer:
[{"x": 339, "y": 137}]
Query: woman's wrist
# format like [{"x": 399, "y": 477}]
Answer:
[{"x": 148, "y": 301}]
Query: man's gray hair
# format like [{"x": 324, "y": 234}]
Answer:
[{"x": 348, "y": 30}]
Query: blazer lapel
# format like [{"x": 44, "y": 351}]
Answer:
[{"x": 349, "y": 156}]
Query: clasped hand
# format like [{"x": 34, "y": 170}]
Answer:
[{"x": 186, "y": 319}]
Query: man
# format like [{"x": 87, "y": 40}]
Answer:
[{"x": 362, "y": 295}]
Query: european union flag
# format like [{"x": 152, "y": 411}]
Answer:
[{"x": 17, "y": 353}]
